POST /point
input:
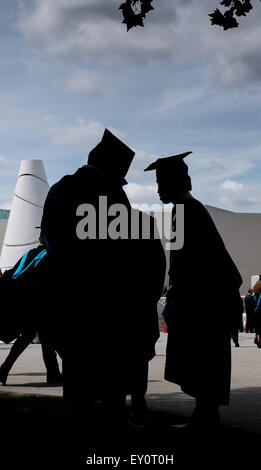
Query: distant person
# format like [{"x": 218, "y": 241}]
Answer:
[
  {"x": 256, "y": 305},
  {"x": 250, "y": 314},
  {"x": 26, "y": 273},
  {"x": 198, "y": 355}
]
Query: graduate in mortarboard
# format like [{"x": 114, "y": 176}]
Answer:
[
  {"x": 99, "y": 285},
  {"x": 104, "y": 174},
  {"x": 81, "y": 267},
  {"x": 203, "y": 300}
]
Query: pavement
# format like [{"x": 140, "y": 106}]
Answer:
[
  {"x": 45, "y": 435},
  {"x": 28, "y": 376}
]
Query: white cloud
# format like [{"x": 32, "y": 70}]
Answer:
[
  {"x": 178, "y": 98},
  {"x": 84, "y": 81},
  {"x": 141, "y": 194},
  {"x": 234, "y": 186},
  {"x": 238, "y": 196},
  {"x": 77, "y": 134},
  {"x": 178, "y": 31},
  {"x": 92, "y": 29},
  {"x": 209, "y": 166},
  {"x": 84, "y": 49},
  {"x": 141, "y": 160},
  {"x": 80, "y": 133}
]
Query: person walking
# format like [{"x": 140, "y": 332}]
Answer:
[
  {"x": 256, "y": 307},
  {"x": 26, "y": 274}
]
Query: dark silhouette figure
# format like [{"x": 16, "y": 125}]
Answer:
[
  {"x": 256, "y": 301},
  {"x": 145, "y": 275},
  {"x": 24, "y": 276},
  {"x": 250, "y": 314},
  {"x": 108, "y": 285},
  {"x": 237, "y": 326},
  {"x": 200, "y": 360},
  {"x": 234, "y": 336}
]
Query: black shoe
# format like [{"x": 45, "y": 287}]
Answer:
[
  {"x": 3, "y": 375},
  {"x": 197, "y": 426},
  {"x": 181, "y": 427},
  {"x": 237, "y": 345},
  {"x": 202, "y": 420}
]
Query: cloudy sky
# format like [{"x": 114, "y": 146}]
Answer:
[{"x": 69, "y": 69}]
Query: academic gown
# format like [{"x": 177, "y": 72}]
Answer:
[
  {"x": 106, "y": 290},
  {"x": 202, "y": 305}
]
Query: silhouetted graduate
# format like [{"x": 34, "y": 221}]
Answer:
[
  {"x": 203, "y": 299},
  {"x": 100, "y": 282}
]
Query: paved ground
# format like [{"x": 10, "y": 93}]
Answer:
[
  {"x": 45, "y": 436},
  {"x": 28, "y": 377},
  {"x": 245, "y": 405}
]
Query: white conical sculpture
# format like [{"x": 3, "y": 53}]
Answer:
[{"x": 26, "y": 212}]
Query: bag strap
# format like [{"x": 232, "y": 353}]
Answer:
[
  {"x": 257, "y": 301},
  {"x": 22, "y": 268},
  {"x": 162, "y": 311}
]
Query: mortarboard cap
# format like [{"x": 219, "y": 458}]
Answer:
[
  {"x": 112, "y": 156},
  {"x": 174, "y": 163}
]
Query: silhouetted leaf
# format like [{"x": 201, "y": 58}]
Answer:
[
  {"x": 133, "y": 20},
  {"x": 217, "y": 18},
  {"x": 134, "y": 11},
  {"x": 126, "y": 10},
  {"x": 146, "y": 7},
  {"x": 242, "y": 8},
  {"x": 230, "y": 21},
  {"x": 226, "y": 20},
  {"x": 226, "y": 3}
]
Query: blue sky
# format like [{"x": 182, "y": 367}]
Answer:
[{"x": 69, "y": 69}]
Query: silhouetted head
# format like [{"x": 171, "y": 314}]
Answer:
[
  {"x": 112, "y": 157},
  {"x": 172, "y": 177}
]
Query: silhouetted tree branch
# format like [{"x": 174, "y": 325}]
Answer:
[
  {"x": 232, "y": 8},
  {"x": 134, "y": 12}
]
